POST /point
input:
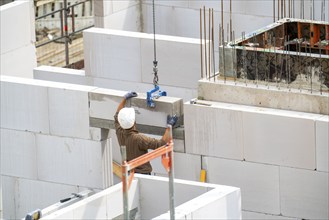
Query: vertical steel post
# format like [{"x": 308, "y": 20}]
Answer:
[
  {"x": 124, "y": 182},
  {"x": 66, "y": 34},
  {"x": 171, "y": 181},
  {"x": 61, "y": 21},
  {"x": 72, "y": 19}
]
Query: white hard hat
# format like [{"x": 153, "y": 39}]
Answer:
[{"x": 126, "y": 118}]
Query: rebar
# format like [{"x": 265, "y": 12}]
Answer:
[
  {"x": 289, "y": 67},
  {"x": 311, "y": 69},
  {"x": 66, "y": 34},
  {"x": 234, "y": 59},
  {"x": 209, "y": 43},
  {"x": 256, "y": 59},
  {"x": 273, "y": 10},
  {"x": 244, "y": 58},
  {"x": 223, "y": 56},
  {"x": 230, "y": 20},
  {"x": 205, "y": 38},
  {"x": 320, "y": 77},
  {"x": 201, "y": 52},
  {"x": 213, "y": 43}
]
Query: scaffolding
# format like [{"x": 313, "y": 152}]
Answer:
[{"x": 166, "y": 153}]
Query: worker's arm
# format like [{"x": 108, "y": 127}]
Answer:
[
  {"x": 121, "y": 105},
  {"x": 171, "y": 120},
  {"x": 166, "y": 136},
  {"x": 125, "y": 98}
]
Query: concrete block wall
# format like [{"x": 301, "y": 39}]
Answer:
[
  {"x": 181, "y": 18},
  {"x": 124, "y": 59},
  {"x": 48, "y": 150},
  {"x": 192, "y": 201},
  {"x": 18, "y": 53},
  {"x": 46, "y": 138},
  {"x": 278, "y": 167},
  {"x": 172, "y": 16}
]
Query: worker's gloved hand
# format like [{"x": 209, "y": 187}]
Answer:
[
  {"x": 130, "y": 95},
  {"x": 171, "y": 120}
]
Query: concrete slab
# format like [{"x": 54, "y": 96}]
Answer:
[
  {"x": 19, "y": 97},
  {"x": 70, "y": 161},
  {"x": 304, "y": 193},
  {"x": 18, "y": 154},
  {"x": 259, "y": 183},
  {"x": 322, "y": 143},
  {"x": 292, "y": 139},
  {"x": 263, "y": 97},
  {"x": 213, "y": 130}
]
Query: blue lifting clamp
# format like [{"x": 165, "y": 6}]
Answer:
[{"x": 154, "y": 94}]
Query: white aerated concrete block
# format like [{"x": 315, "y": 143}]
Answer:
[
  {"x": 322, "y": 144},
  {"x": 112, "y": 54},
  {"x": 24, "y": 105},
  {"x": 122, "y": 5},
  {"x": 124, "y": 55},
  {"x": 213, "y": 130},
  {"x": 18, "y": 32},
  {"x": 263, "y": 216},
  {"x": 31, "y": 195},
  {"x": 70, "y": 161},
  {"x": 186, "y": 166},
  {"x": 18, "y": 154},
  {"x": 259, "y": 183},
  {"x": 69, "y": 111},
  {"x": 65, "y": 75},
  {"x": 279, "y": 137},
  {"x": 102, "y": 8},
  {"x": 128, "y": 20},
  {"x": 178, "y": 62},
  {"x": 19, "y": 62},
  {"x": 104, "y": 103},
  {"x": 304, "y": 193},
  {"x": 185, "y": 93},
  {"x": 9, "y": 185}
]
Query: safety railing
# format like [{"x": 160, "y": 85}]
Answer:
[{"x": 50, "y": 48}]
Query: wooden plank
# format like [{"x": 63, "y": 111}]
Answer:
[{"x": 117, "y": 169}]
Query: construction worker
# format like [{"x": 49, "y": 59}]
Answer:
[{"x": 137, "y": 144}]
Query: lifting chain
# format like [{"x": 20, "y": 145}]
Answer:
[{"x": 155, "y": 62}]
